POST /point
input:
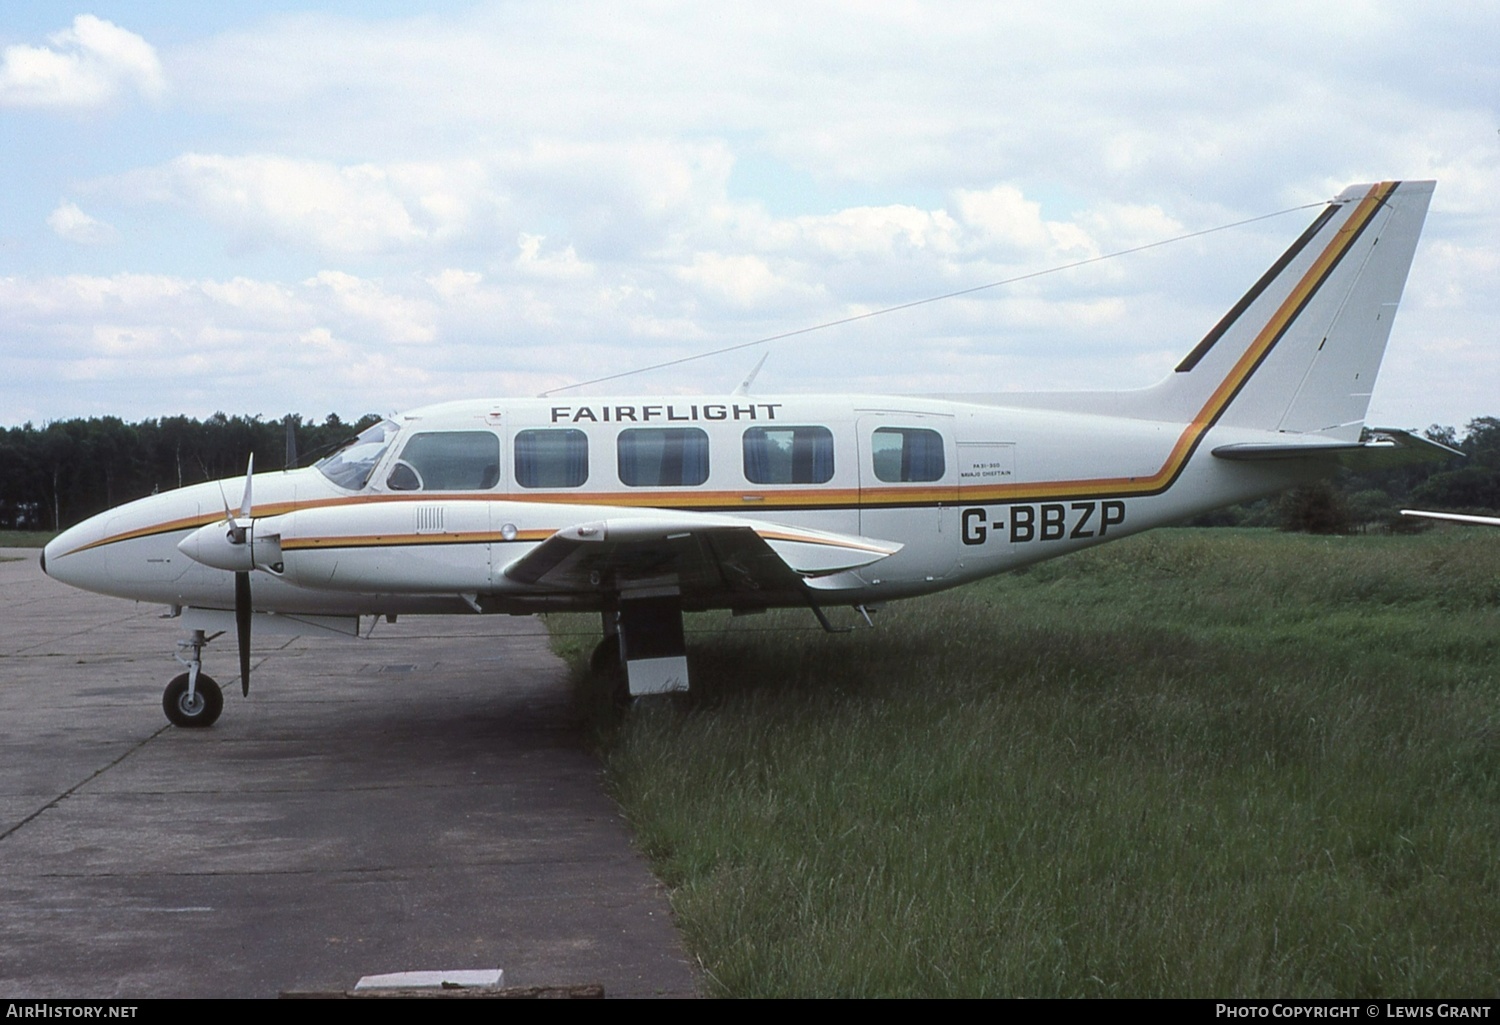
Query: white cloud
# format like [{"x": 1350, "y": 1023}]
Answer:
[
  {"x": 70, "y": 223},
  {"x": 350, "y": 209},
  {"x": 87, "y": 65},
  {"x": 533, "y": 261},
  {"x": 379, "y": 312},
  {"x": 880, "y": 232},
  {"x": 1004, "y": 216},
  {"x": 451, "y": 282},
  {"x": 744, "y": 280}
]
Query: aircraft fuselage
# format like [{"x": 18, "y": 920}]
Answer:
[{"x": 983, "y": 490}]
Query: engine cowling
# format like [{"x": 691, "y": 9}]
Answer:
[{"x": 235, "y": 545}]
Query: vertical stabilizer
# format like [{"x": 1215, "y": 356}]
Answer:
[{"x": 1300, "y": 351}]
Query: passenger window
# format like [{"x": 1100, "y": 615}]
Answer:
[
  {"x": 664, "y": 457},
  {"x": 447, "y": 461},
  {"x": 908, "y": 454},
  {"x": 788, "y": 455},
  {"x": 552, "y": 459}
]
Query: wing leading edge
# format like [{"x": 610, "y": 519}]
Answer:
[{"x": 701, "y": 555}]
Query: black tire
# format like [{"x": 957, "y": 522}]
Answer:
[
  {"x": 606, "y": 657},
  {"x": 609, "y": 670},
  {"x": 203, "y": 710}
]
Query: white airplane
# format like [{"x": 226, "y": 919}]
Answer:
[{"x": 641, "y": 508}]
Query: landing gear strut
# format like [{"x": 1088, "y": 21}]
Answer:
[
  {"x": 193, "y": 699},
  {"x": 643, "y": 645},
  {"x": 605, "y": 659}
]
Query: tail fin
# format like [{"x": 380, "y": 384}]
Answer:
[{"x": 1299, "y": 353}]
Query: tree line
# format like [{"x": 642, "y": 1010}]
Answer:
[
  {"x": 66, "y": 471},
  {"x": 56, "y": 475}
]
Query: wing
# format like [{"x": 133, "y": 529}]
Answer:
[{"x": 706, "y": 557}]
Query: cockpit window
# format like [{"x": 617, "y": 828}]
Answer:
[
  {"x": 350, "y": 466},
  {"x": 447, "y": 461}
]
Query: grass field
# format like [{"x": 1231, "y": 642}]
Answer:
[{"x": 1193, "y": 763}]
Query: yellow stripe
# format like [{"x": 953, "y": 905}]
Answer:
[
  {"x": 782, "y": 535},
  {"x": 188, "y": 523},
  {"x": 386, "y": 540}
]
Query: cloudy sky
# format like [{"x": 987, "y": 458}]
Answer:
[{"x": 313, "y": 207}]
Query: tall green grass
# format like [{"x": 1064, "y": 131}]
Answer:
[{"x": 1194, "y": 763}]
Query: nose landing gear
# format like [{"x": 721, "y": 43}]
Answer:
[{"x": 193, "y": 699}]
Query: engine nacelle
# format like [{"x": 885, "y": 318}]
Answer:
[
  {"x": 237, "y": 546},
  {"x": 392, "y": 547}
]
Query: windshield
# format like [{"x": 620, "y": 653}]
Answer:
[{"x": 351, "y": 465}]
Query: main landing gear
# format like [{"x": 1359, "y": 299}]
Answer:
[
  {"x": 193, "y": 699},
  {"x": 643, "y": 651}
]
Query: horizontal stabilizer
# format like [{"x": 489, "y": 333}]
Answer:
[
  {"x": 1379, "y": 449},
  {"x": 1483, "y": 521}
]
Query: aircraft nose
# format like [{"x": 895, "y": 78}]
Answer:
[{"x": 72, "y": 558}]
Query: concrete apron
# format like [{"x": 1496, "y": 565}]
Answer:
[{"x": 415, "y": 801}]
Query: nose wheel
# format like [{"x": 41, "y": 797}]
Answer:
[
  {"x": 196, "y": 708},
  {"x": 193, "y": 699}
]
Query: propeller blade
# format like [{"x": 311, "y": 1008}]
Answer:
[
  {"x": 242, "y": 627},
  {"x": 245, "y": 501}
]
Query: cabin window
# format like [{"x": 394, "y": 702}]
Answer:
[
  {"x": 447, "y": 461},
  {"x": 350, "y": 467},
  {"x": 663, "y": 457},
  {"x": 788, "y": 455},
  {"x": 552, "y": 459},
  {"x": 908, "y": 454}
]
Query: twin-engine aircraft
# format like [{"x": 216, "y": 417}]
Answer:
[{"x": 643, "y": 508}]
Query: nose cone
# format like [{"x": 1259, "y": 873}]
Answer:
[{"x": 74, "y": 557}]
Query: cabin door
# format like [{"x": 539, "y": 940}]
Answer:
[{"x": 908, "y": 492}]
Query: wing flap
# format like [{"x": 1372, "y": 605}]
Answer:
[{"x": 700, "y": 554}]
